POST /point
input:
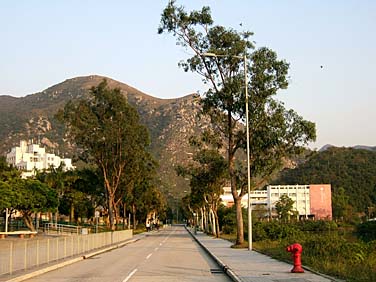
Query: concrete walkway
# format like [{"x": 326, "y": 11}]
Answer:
[{"x": 250, "y": 266}]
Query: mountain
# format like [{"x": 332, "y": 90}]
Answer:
[
  {"x": 362, "y": 147},
  {"x": 358, "y": 147},
  {"x": 170, "y": 121}
]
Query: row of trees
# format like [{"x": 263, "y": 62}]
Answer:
[{"x": 274, "y": 132}]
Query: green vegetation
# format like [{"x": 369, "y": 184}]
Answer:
[
  {"x": 26, "y": 196},
  {"x": 109, "y": 132},
  {"x": 330, "y": 250},
  {"x": 284, "y": 208},
  {"x": 275, "y": 133},
  {"x": 207, "y": 174}
]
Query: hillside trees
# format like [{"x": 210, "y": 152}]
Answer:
[
  {"x": 351, "y": 172},
  {"x": 275, "y": 133},
  {"x": 108, "y": 131}
]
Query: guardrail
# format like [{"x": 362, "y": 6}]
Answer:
[
  {"x": 54, "y": 228},
  {"x": 19, "y": 255}
]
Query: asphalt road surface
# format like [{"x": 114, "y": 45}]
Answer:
[{"x": 168, "y": 255}]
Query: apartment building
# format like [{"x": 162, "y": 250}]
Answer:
[{"x": 29, "y": 157}]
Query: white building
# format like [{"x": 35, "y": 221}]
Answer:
[
  {"x": 312, "y": 200},
  {"x": 31, "y": 157}
]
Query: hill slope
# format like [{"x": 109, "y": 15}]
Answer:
[
  {"x": 352, "y": 169},
  {"x": 170, "y": 122}
]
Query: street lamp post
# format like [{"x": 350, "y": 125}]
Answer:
[{"x": 249, "y": 209}]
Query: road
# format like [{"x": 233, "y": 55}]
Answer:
[{"x": 167, "y": 255}]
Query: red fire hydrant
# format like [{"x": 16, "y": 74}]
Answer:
[{"x": 296, "y": 250}]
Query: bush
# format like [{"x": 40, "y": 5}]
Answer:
[
  {"x": 275, "y": 230},
  {"x": 317, "y": 225},
  {"x": 367, "y": 231}
]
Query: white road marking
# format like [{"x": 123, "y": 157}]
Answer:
[
  {"x": 149, "y": 256},
  {"x": 130, "y": 275},
  {"x": 156, "y": 249}
]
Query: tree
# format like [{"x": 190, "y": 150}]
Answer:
[
  {"x": 27, "y": 196},
  {"x": 57, "y": 179},
  {"x": 342, "y": 209},
  {"x": 275, "y": 133},
  {"x": 7, "y": 172},
  {"x": 285, "y": 207},
  {"x": 109, "y": 132}
]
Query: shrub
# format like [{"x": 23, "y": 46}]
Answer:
[{"x": 367, "y": 231}]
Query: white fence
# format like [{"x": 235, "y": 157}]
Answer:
[{"x": 23, "y": 254}]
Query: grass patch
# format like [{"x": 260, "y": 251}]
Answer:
[
  {"x": 229, "y": 237},
  {"x": 241, "y": 246}
]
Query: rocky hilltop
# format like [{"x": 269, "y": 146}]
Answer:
[{"x": 170, "y": 121}]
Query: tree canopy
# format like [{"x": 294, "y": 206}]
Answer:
[{"x": 108, "y": 131}]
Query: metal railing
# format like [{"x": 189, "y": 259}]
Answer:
[
  {"x": 23, "y": 254},
  {"x": 54, "y": 228}
]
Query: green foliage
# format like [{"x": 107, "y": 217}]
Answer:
[
  {"x": 274, "y": 230},
  {"x": 285, "y": 208},
  {"x": 317, "y": 225},
  {"x": 367, "y": 231},
  {"x": 227, "y": 219},
  {"x": 108, "y": 131},
  {"x": 351, "y": 172},
  {"x": 25, "y": 195},
  {"x": 324, "y": 249}
]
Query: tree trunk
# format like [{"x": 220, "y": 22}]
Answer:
[
  {"x": 111, "y": 214},
  {"x": 71, "y": 214},
  {"x": 28, "y": 221},
  {"x": 202, "y": 219},
  {"x": 212, "y": 220},
  {"x": 209, "y": 228},
  {"x": 205, "y": 219},
  {"x": 239, "y": 222},
  {"x": 124, "y": 215},
  {"x": 216, "y": 221},
  {"x": 134, "y": 216},
  {"x": 56, "y": 217}
]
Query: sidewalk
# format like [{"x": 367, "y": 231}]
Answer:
[
  {"x": 250, "y": 266},
  {"x": 35, "y": 271}
]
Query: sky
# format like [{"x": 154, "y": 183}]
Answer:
[{"x": 330, "y": 46}]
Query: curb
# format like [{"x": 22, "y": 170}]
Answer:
[
  {"x": 68, "y": 262},
  {"x": 226, "y": 269},
  {"x": 44, "y": 270}
]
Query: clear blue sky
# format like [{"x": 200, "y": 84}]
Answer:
[{"x": 43, "y": 43}]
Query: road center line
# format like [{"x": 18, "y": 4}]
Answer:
[
  {"x": 130, "y": 275},
  {"x": 156, "y": 249},
  {"x": 149, "y": 256}
]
